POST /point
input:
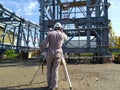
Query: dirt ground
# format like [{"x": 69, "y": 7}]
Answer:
[{"x": 17, "y": 76}]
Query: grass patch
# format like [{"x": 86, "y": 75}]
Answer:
[{"x": 10, "y": 54}]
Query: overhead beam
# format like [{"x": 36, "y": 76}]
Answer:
[
  {"x": 5, "y": 19},
  {"x": 67, "y": 5}
]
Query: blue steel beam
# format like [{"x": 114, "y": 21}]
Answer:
[{"x": 5, "y": 19}]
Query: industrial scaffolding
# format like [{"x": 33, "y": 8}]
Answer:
[
  {"x": 84, "y": 21},
  {"x": 16, "y": 32}
]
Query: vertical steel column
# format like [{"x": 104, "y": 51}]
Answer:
[
  {"x": 19, "y": 37},
  {"x": 106, "y": 24},
  {"x": 53, "y": 10},
  {"x": 106, "y": 31},
  {"x": 4, "y": 33},
  {"x": 35, "y": 37},
  {"x": 60, "y": 12},
  {"x": 88, "y": 23},
  {"x": 28, "y": 35},
  {"x": 57, "y": 11},
  {"x": 97, "y": 13},
  {"x": 41, "y": 21},
  {"x": 1, "y": 12},
  {"x": 14, "y": 35}
]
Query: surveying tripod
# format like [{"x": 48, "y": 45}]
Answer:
[
  {"x": 38, "y": 70},
  {"x": 64, "y": 67}
]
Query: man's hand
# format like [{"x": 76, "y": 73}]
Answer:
[{"x": 40, "y": 51}]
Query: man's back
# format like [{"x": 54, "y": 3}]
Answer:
[{"x": 56, "y": 39}]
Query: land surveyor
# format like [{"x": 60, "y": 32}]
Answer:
[{"x": 54, "y": 40}]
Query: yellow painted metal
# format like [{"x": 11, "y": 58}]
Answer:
[
  {"x": 67, "y": 5},
  {"x": 119, "y": 43},
  {"x": 8, "y": 37},
  {"x": 1, "y": 33},
  {"x": 113, "y": 38}
]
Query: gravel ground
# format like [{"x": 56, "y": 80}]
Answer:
[{"x": 17, "y": 76}]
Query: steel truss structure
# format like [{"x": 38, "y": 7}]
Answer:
[
  {"x": 16, "y": 32},
  {"x": 85, "y": 22}
]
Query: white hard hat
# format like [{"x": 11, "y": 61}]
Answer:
[{"x": 58, "y": 25}]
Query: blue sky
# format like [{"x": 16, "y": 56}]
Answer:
[{"x": 29, "y": 9}]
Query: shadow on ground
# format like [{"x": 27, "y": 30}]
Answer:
[
  {"x": 37, "y": 88},
  {"x": 10, "y": 63},
  {"x": 23, "y": 87}
]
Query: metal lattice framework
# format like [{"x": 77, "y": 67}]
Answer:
[
  {"x": 85, "y": 22},
  {"x": 16, "y": 32}
]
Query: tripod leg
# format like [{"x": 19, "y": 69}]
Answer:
[
  {"x": 66, "y": 71},
  {"x": 34, "y": 75},
  {"x": 43, "y": 64},
  {"x": 42, "y": 68},
  {"x": 38, "y": 70}
]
